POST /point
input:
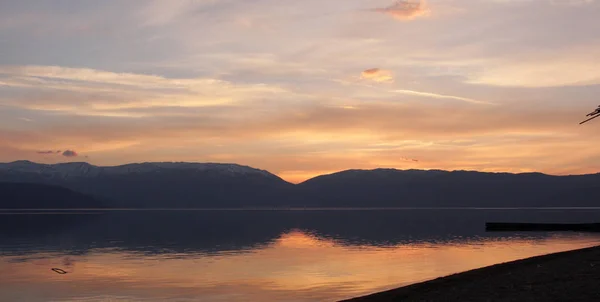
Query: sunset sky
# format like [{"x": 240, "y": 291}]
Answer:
[{"x": 302, "y": 88}]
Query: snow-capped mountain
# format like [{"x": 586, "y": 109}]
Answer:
[
  {"x": 226, "y": 169},
  {"x": 82, "y": 169},
  {"x": 162, "y": 184}
]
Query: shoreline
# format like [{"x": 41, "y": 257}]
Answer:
[
  {"x": 564, "y": 276},
  {"x": 306, "y": 209}
]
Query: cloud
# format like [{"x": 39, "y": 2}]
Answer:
[
  {"x": 378, "y": 75},
  {"x": 439, "y": 96},
  {"x": 145, "y": 81},
  {"x": 99, "y": 81},
  {"x": 572, "y": 2},
  {"x": 162, "y": 13},
  {"x": 406, "y": 10},
  {"x": 384, "y": 76},
  {"x": 70, "y": 153},
  {"x": 158, "y": 13},
  {"x": 48, "y": 152},
  {"x": 557, "y": 69},
  {"x": 94, "y": 92},
  {"x": 408, "y": 120}
]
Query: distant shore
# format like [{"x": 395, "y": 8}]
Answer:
[
  {"x": 565, "y": 276},
  {"x": 306, "y": 209}
]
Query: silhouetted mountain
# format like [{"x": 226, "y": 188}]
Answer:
[
  {"x": 159, "y": 185},
  {"x": 416, "y": 188},
  {"x": 39, "y": 196},
  {"x": 194, "y": 185}
]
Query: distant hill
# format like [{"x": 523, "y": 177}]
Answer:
[
  {"x": 418, "y": 188},
  {"x": 40, "y": 196},
  {"x": 211, "y": 185},
  {"x": 159, "y": 185}
]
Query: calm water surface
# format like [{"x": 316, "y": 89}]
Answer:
[{"x": 258, "y": 255}]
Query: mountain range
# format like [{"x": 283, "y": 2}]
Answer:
[{"x": 212, "y": 185}]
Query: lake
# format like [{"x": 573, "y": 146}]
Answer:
[{"x": 258, "y": 255}]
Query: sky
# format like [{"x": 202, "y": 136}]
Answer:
[{"x": 302, "y": 88}]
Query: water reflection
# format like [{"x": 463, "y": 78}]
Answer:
[{"x": 257, "y": 256}]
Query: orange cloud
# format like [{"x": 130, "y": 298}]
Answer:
[
  {"x": 406, "y": 10},
  {"x": 378, "y": 75}
]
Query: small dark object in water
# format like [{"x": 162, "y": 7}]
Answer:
[
  {"x": 59, "y": 271},
  {"x": 541, "y": 227}
]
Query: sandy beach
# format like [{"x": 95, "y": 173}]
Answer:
[{"x": 566, "y": 276}]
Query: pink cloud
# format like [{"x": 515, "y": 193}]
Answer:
[{"x": 406, "y": 10}]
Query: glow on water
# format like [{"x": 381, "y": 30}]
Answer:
[{"x": 295, "y": 265}]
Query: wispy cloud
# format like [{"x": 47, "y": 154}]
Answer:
[
  {"x": 96, "y": 92},
  {"x": 104, "y": 77},
  {"x": 572, "y": 67},
  {"x": 439, "y": 96},
  {"x": 157, "y": 12},
  {"x": 48, "y": 152},
  {"x": 413, "y": 92},
  {"x": 572, "y": 2},
  {"x": 161, "y": 13}
]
